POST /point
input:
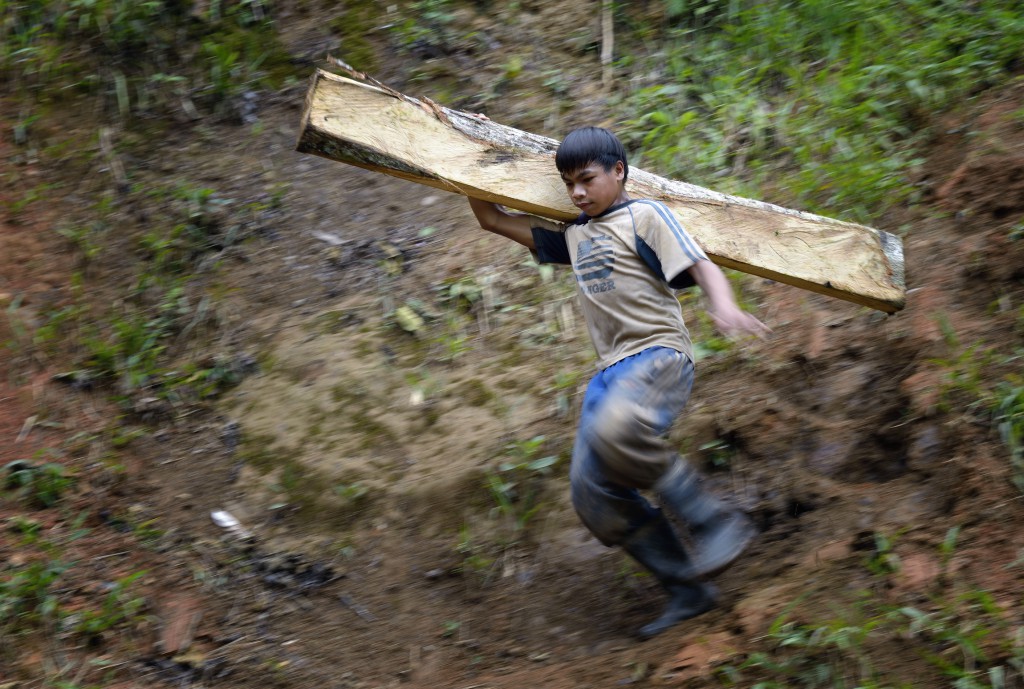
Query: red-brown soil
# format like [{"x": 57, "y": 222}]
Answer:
[{"x": 838, "y": 427}]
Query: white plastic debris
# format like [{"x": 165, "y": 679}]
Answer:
[
  {"x": 229, "y": 523},
  {"x": 329, "y": 237}
]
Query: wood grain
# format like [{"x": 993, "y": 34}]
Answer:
[{"x": 382, "y": 130}]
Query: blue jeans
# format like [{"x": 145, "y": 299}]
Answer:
[{"x": 620, "y": 445}]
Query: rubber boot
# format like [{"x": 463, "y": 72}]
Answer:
[
  {"x": 656, "y": 546},
  {"x": 720, "y": 532}
]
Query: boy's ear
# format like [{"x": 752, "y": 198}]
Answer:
[{"x": 619, "y": 170}]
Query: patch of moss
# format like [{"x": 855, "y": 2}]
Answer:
[
  {"x": 257, "y": 451},
  {"x": 373, "y": 432},
  {"x": 363, "y": 349},
  {"x": 474, "y": 392},
  {"x": 333, "y": 322},
  {"x": 512, "y": 359},
  {"x": 407, "y": 348},
  {"x": 317, "y": 415},
  {"x": 320, "y": 500},
  {"x": 350, "y": 393},
  {"x": 352, "y": 26}
]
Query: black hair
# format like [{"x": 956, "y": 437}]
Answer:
[{"x": 587, "y": 145}]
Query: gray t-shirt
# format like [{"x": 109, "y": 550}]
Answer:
[{"x": 627, "y": 262}]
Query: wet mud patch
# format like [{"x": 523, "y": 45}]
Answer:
[
  {"x": 990, "y": 186},
  {"x": 875, "y": 456}
]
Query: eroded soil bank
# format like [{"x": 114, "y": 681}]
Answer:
[{"x": 407, "y": 527}]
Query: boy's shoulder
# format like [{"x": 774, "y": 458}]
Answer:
[
  {"x": 650, "y": 210},
  {"x": 644, "y": 205}
]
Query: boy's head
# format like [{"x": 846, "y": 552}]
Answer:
[{"x": 587, "y": 145}]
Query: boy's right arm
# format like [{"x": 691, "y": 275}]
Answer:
[{"x": 494, "y": 219}]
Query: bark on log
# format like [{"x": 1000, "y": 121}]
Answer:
[{"x": 386, "y": 131}]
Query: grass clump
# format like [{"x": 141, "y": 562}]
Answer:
[
  {"x": 818, "y": 100},
  {"x": 1008, "y": 412},
  {"x": 40, "y": 485},
  {"x": 139, "y": 55},
  {"x": 517, "y": 484}
]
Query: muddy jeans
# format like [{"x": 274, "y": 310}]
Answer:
[{"x": 620, "y": 445}]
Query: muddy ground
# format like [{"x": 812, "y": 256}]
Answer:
[{"x": 360, "y": 458}]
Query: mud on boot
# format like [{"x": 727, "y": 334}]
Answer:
[
  {"x": 686, "y": 600},
  {"x": 720, "y": 532},
  {"x": 656, "y": 546},
  {"x": 718, "y": 542}
]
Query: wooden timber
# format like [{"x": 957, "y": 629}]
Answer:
[{"x": 380, "y": 129}]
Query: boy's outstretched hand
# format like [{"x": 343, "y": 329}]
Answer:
[
  {"x": 735, "y": 322},
  {"x": 726, "y": 314}
]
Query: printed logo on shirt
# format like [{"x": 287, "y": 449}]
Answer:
[{"x": 594, "y": 261}]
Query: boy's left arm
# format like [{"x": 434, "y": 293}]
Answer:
[{"x": 723, "y": 309}]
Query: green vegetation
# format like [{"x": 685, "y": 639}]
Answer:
[
  {"x": 26, "y": 597},
  {"x": 966, "y": 638},
  {"x": 1008, "y": 412},
  {"x": 134, "y": 347},
  {"x": 41, "y": 485},
  {"x": 817, "y": 103},
  {"x": 120, "y": 606},
  {"x": 820, "y": 104},
  {"x": 33, "y": 592},
  {"x": 517, "y": 484},
  {"x": 135, "y": 55}
]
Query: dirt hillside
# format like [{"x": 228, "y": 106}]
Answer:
[{"x": 397, "y": 376}]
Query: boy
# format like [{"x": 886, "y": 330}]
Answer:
[{"x": 627, "y": 256}]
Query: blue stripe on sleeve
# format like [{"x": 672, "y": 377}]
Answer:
[{"x": 689, "y": 247}]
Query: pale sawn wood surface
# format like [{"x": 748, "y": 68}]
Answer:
[{"x": 362, "y": 125}]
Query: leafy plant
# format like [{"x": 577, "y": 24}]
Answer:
[
  {"x": 816, "y": 655},
  {"x": 26, "y": 596},
  {"x": 516, "y": 484},
  {"x": 962, "y": 379},
  {"x": 426, "y": 25},
  {"x": 135, "y": 52},
  {"x": 120, "y": 606},
  {"x": 956, "y": 635},
  {"x": 719, "y": 453},
  {"x": 564, "y": 385},
  {"x": 351, "y": 493},
  {"x": 454, "y": 342},
  {"x": 42, "y": 484},
  {"x": 474, "y": 560},
  {"x": 85, "y": 239},
  {"x": 821, "y": 102},
  {"x": 1008, "y": 413},
  {"x": 883, "y": 560}
]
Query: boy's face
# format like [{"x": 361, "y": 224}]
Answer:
[{"x": 593, "y": 189}]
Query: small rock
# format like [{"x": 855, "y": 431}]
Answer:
[
  {"x": 926, "y": 448},
  {"x": 193, "y": 659},
  {"x": 230, "y": 435},
  {"x": 434, "y": 574},
  {"x": 756, "y": 611},
  {"x": 180, "y": 613},
  {"x": 697, "y": 658},
  {"x": 829, "y": 552},
  {"x": 923, "y": 390},
  {"x": 918, "y": 572}
]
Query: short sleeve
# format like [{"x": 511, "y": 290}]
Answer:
[
  {"x": 549, "y": 240},
  {"x": 665, "y": 244}
]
